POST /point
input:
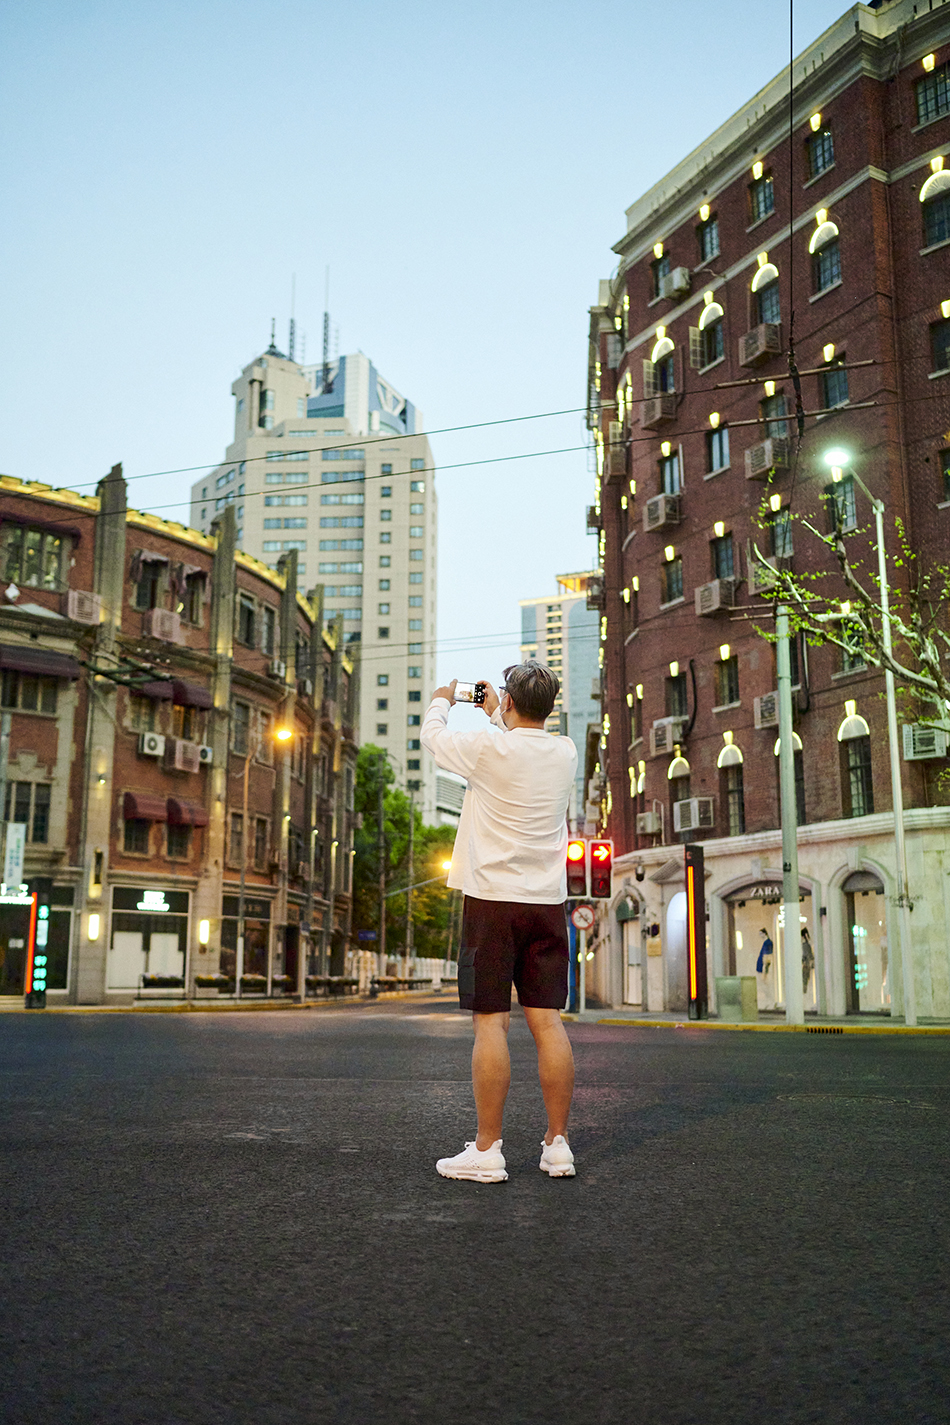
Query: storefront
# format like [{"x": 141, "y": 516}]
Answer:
[
  {"x": 756, "y": 915},
  {"x": 257, "y": 921},
  {"x": 149, "y": 938},
  {"x": 14, "y": 931},
  {"x": 868, "y": 979},
  {"x": 628, "y": 918}
]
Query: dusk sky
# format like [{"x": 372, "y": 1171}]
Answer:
[{"x": 462, "y": 170}]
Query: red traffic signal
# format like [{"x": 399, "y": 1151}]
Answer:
[
  {"x": 576, "y": 868},
  {"x": 601, "y": 866}
]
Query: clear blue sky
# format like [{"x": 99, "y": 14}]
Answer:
[{"x": 462, "y": 169}]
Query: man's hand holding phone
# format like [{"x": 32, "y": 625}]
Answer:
[{"x": 447, "y": 692}]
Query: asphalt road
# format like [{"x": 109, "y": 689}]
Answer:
[{"x": 236, "y": 1218}]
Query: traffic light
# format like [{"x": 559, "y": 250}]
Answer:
[
  {"x": 601, "y": 866},
  {"x": 37, "y": 954},
  {"x": 576, "y": 868}
]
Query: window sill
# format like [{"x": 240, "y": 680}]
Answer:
[
  {"x": 935, "y": 375},
  {"x": 759, "y": 221},
  {"x": 944, "y": 505},
  {"x": 819, "y": 176},
  {"x": 727, "y": 707},
  {"x": 928, "y": 122},
  {"x": 934, "y": 247},
  {"x": 852, "y": 673},
  {"x": 30, "y": 712},
  {"x": 701, "y": 371},
  {"x": 832, "y": 286},
  {"x": 673, "y": 603},
  {"x": 711, "y": 474}
]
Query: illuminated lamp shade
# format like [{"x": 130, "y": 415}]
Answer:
[
  {"x": 837, "y": 456},
  {"x": 446, "y": 865},
  {"x": 767, "y": 272},
  {"x": 714, "y": 419},
  {"x": 710, "y": 313},
  {"x": 204, "y": 931},
  {"x": 639, "y": 691},
  {"x": 814, "y": 123},
  {"x": 665, "y": 448},
  {"x": 731, "y": 755},
  {"x": 704, "y": 213},
  {"x": 796, "y": 744},
  {"x": 945, "y": 310},
  {"x": 92, "y": 930},
  {"x": 626, "y": 596},
  {"x": 854, "y": 724},
  {"x": 822, "y": 236},
  {"x": 641, "y": 776},
  {"x": 937, "y": 182},
  {"x": 679, "y": 767},
  {"x": 635, "y": 583},
  {"x": 623, "y": 502},
  {"x": 758, "y": 169},
  {"x": 928, "y": 62},
  {"x": 674, "y": 669},
  {"x": 669, "y": 553},
  {"x": 775, "y": 503},
  {"x": 663, "y": 346},
  {"x": 770, "y": 388},
  {"x": 629, "y": 700},
  {"x": 719, "y": 528},
  {"x": 828, "y": 352},
  {"x": 725, "y": 651},
  {"x": 283, "y": 734},
  {"x": 657, "y": 249}
]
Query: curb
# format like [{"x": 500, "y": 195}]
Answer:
[
  {"x": 229, "y": 1007},
  {"x": 933, "y": 1030}
]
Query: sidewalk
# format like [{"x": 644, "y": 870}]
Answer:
[
  {"x": 13, "y": 1004},
  {"x": 769, "y": 1023}
]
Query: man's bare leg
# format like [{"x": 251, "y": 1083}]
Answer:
[
  {"x": 555, "y": 1067},
  {"x": 491, "y": 1075}
]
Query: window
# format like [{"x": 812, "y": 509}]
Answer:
[
  {"x": 780, "y": 534},
  {"x": 841, "y": 505},
  {"x": 709, "y": 238},
  {"x": 413, "y": 672},
  {"x": 382, "y": 704},
  {"x": 384, "y": 561},
  {"x": 269, "y": 630},
  {"x": 419, "y": 509},
  {"x": 852, "y": 657},
  {"x": 820, "y": 148},
  {"x": 937, "y": 219},
  {"x": 136, "y": 836},
  {"x": 415, "y": 625},
  {"x": 415, "y": 601},
  {"x": 246, "y": 620},
  {"x": 187, "y": 723},
  {"x": 192, "y": 598},
  {"x": 858, "y": 786},
  {"x": 413, "y": 744},
  {"x": 331, "y": 544},
  {"x": 664, "y": 374},
  {"x": 414, "y": 765},
  {"x": 386, "y": 470},
  {"x": 676, "y": 696},
  {"x": 670, "y": 483},
  {"x": 415, "y": 578},
  {"x": 382, "y": 680},
  {"x": 770, "y": 409},
  {"x": 236, "y": 849},
  {"x": 417, "y": 465},
  {"x": 659, "y": 269},
  {"x": 933, "y": 94},
  {"x": 940, "y": 345},
  {"x": 711, "y": 343},
  {"x": 671, "y": 580},
  {"x": 727, "y": 681},
  {"x": 351, "y": 454},
  {"x": 141, "y": 713},
  {"x": 383, "y": 609},
  {"x": 178, "y": 841},
  {"x": 382, "y": 633},
  {"x": 834, "y": 385},
  {"x": 385, "y": 537},
  {"x": 734, "y": 799},
  {"x": 717, "y": 449},
  {"x": 240, "y": 727},
  {"x": 330, "y": 522},
  {"x": 761, "y": 198},
  {"x": 30, "y": 803},
  {"x": 826, "y": 266},
  {"x": 723, "y": 557},
  {"x": 385, "y": 515},
  {"x": 414, "y": 697},
  {"x": 945, "y": 473},
  {"x": 29, "y": 694},
  {"x": 357, "y": 499},
  {"x": 413, "y": 720},
  {"x": 260, "y": 842},
  {"x": 768, "y": 307},
  {"x": 298, "y": 523},
  {"x": 385, "y": 491},
  {"x": 417, "y": 486},
  {"x": 382, "y": 729},
  {"x": 416, "y": 531}
]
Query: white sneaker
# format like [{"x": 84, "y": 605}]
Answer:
[
  {"x": 557, "y": 1160},
  {"x": 475, "y": 1166}
]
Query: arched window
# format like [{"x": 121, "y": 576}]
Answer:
[
  {"x": 825, "y": 254},
  {"x": 857, "y": 787},
  {"x": 935, "y": 205},
  {"x": 659, "y": 373},
  {"x": 711, "y": 339},
  {"x": 765, "y": 293},
  {"x": 731, "y": 791}
]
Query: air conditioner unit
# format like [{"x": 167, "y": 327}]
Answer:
[
  {"x": 616, "y": 456},
  {"x": 665, "y": 733},
  {"x": 759, "y": 344},
  {"x": 305, "y": 687},
  {"x": 765, "y": 710},
  {"x": 182, "y": 756},
  {"x": 278, "y": 668},
  {"x": 596, "y": 688},
  {"x": 648, "y": 823},
  {"x": 768, "y": 455},
  {"x": 657, "y": 410},
  {"x": 675, "y": 283},
  {"x": 595, "y": 593},
  {"x": 163, "y": 624},
  {"x": 151, "y": 744},
  {"x": 661, "y": 511},
  {"x": 922, "y": 743},
  {"x": 205, "y": 754},
  {"x": 717, "y": 594},
  {"x": 82, "y": 607},
  {"x": 693, "y": 814},
  {"x": 594, "y": 519},
  {"x": 761, "y": 575}
]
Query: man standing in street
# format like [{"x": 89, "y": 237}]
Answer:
[{"x": 509, "y": 862}]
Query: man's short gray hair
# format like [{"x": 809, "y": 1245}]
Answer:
[{"x": 532, "y": 688}]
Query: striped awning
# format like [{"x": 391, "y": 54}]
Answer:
[
  {"x": 141, "y": 806},
  {"x": 42, "y": 662},
  {"x": 160, "y": 690},
  {"x": 191, "y": 695},
  {"x": 182, "y": 813}
]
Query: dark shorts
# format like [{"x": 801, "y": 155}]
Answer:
[{"x": 505, "y": 942}]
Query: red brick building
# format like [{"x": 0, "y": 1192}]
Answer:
[
  {"x": 844, "y": 221},
  {"x": 145, "y": 670}
]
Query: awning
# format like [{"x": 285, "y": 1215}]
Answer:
[
  {"x": 140, "y": 806},
  {"x": 182, "y": 813},
  {"x": 43, "y": 662},
  {"x": 159, "y": 691},
  {"x": 191, "y": 695}
]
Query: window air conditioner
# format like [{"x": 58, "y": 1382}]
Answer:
[
  {"x": 665, "y": 733},
  {"x": 648, "y": 823},
  {"x": 694, "y": 814},
  {"x": 657, "y": 410},
  {"x": 182, "y": 756},
  {"x": 922, "y": 743},
  {"x": 675, "y": 283},
  {"x": 595, "y": 593},
  {"x": 768, "y": 455},
  {"x": 151, "y": 744},
  {"x": 717, "y": 594},
  {"x": 594, "y": 519},
  {"x": 278, "y": 668},
  {"x": 205, "y": 754},
  {"x": 766, "y": 710},
  {"x": 616, "y": 456},
  {"x": 661, "y": 511},
  {"x": 305, "y": 687},
  {"x": 759, "y": 344},
  {"x": 82, "y": 607},
  {"x": 163, "y": 624}
]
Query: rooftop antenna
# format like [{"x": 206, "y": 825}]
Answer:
[
  {"x": 272, "y": 349},
  {"x": 290, "y": 339},
  {"x": 327, "y": 386}
]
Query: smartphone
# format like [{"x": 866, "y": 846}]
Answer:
[{"x": 470, "y": 693}]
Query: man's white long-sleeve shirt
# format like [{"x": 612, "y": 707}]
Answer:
[{"x": 511, "y": 843}]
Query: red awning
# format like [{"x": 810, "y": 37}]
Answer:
[
  {"x": 159, "y": 691},
  {"x": 42, "y": 662},
  {"x": 191, "y": 695},
  {"x": 141, "y": 806},
  {"x": 182, "y": 813}
]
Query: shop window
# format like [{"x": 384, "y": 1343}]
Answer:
[
  {"x": 767, "y": 304},
  {"x": 708, "y": 234},
  {"x": 676, "y": 696},
  {"x": 246, "y": 620},
  {"x": 28, "y": 803},
  {"x": 826, "y": 266},
  {"x": 933, "y": 94},
  {"x": 722, "y": 557},
  {"x": 733, "y": 798},
  {"x": 179, "y": 841},
  {"x": 820, "y": 148},
  {"x": 868, "y": 979},
  {"x": 659, "y": 269},
  {"x": 29, "y": 694},
  {"x": 940, "y": 346},
  {"x": 32, "y": 558},
  {"x": 671, "y": 580},
  {"x": 834, "y": 385},
  {"x": 726, "y": 675},
  {"x": 856, "y": 776},
  {"x": 136, "y": 836}
]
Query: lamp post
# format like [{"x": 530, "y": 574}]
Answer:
[
  {"x": 838, "y": 462},
  {"x": 281, "y": 734}
]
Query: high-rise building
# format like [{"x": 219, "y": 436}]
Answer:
[
  {"x": 562, "y": 631},
  {"x": 834, "y": 207},
  {"x": 333, "y": 463}
]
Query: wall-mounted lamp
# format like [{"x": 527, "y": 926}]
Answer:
[
  {"x": 814, "y": 123},
  {"x": 724, "y": 652},
  {"x": 92, "y": 929},
  {"x": 704, "y": 213},
  {"x": 666, "y": 447},
  {"x": 928, "y": 61},
  {"x": 757, "y": 169},
  {"x": 657, "y": 249},
  {"x": 828, "y": 351},
  {"x": 770, "y": 388},
  {"x": 714, "y": 419},
  {"x": 674, "y": 669},
  {"x": 775, "y": 503},
  {"x": 204, "y": 931},
  {"x": 719, "y": 528}
]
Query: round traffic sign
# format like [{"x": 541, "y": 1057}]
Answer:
[{"x": 582, "y": 917}]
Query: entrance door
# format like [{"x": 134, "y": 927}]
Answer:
[
  {"x": 165, "y": 955},
  {"x": 126, "y": 960},
  {"x": 633, "y": 969},
  {"x": 677, "y": 988},
  {"x": 868, "y": 980}
]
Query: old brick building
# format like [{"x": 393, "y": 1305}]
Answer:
[
  {"x": 843, "y": 217},
  {"x": 145, "y": 670}
]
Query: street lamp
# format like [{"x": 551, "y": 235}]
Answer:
[
  {"x": 839, "y": 460},
  {"x": 282, "y": 733}
]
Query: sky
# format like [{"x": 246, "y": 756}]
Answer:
[{"x": 463, "y": 172}]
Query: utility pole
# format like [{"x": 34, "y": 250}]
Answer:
[
  {"x": 792, "y": 935},
  {"x": 6, "y": 721},
  {"x": 381, "y": 848},
  {"x": 409, "y": 945}
]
